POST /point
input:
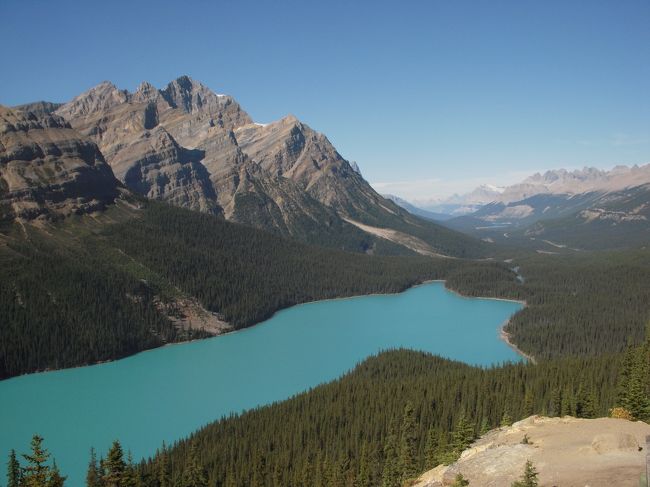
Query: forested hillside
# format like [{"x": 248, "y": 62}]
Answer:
[
  {"x": 395, "y": 415},
  {"x": 84, "y": 291},
  {"x": 403, "y": 412}
]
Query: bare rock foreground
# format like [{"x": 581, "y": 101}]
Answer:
[{"x": 567, "y": 452}]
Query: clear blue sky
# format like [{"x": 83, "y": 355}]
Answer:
[{"x": 413, "y": 91}]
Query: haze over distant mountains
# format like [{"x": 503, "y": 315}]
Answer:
[
  {"x": 560, "y": 209},
  {"x": 557, "y": 181}
]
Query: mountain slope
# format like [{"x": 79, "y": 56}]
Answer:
[
  {"x": 92, "y": 272},
  {"x": 49, "y": 170},
  {"x": 553, "y": 223},
  {"x": 414, "y": 210},
  {"x": 193, "y": 148}
]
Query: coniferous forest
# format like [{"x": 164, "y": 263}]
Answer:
[
  {"x": 62, "y": 298},
  {"x": 390, "y": 418}
]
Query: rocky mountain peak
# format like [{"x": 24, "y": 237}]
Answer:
[
  {"x": 190, "y": 95},
  {"x": 97, "y": 99},
  {"x": 145, "y": 92}
]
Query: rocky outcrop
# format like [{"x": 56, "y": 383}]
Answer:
[
  {"x": 566, "y": 451},
  {"x": 48, "y": 170}
]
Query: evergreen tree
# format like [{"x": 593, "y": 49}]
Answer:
[
  {"x": 624, "y": 376},
  {"x": 93, "y": 476},
  {"x": 638, "y": 393},
  {"x": 36, "y": 473},
  {"x": 485, "y": 426},
  {"x": 462, "y": 436},
  {"x": 363, "y": 477},
  {"x": 431, "y": 449},
  {"x": 163, "y": 469},
  {"x": 56, "y": 479},
  {"x": 506, "y": 419},
  {"x": 408, "y": 444},
  {"x": 259, "y": 471},
  {"x": 567, "y": 408},
  {"x": 390, "y": 475},
  {"x": 194, "y": 475},
  {"x": 13, "y": 470},
  {"x": 131, "y": 475},
  {"x": 460, "y": 481},
  {"x": 586, "y": 404},
  {"x": 306, "y": 475},
  {"x": 555, "y": 408},
  {"x": 114, "y": 466},
  {"x": 528, "y": 409},
  {"x": 529, "y": 477}
]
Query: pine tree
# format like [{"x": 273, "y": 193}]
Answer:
[
  {"x": 131, "y": 476},
  {"x": 363, "y": 477},
  {"x": 408, "y": 444},
  {"x": 431, "y": 449},
  {"x": 231, "y": 479},
  {"x": 485, "y": 426},
  {"x": 638, "y": 397},
  {"x": 13, "y": 470},
  {"x": 56, "y": 479},
  {"x": 529, "y": 477},
  {"x": 163, "y": 470},
  {"x": 529, "y": 408},
  {"x": 36, "y": 473},
  {"x": 462, "y": 436},
  {"x": 390, "y": 475},
  {"x": 93, "y": 476},
  {"x": 506, "y": 419},
  {"x": 259, "y": 471},
  {"x": 624, "y": 376},
  {"x": 567, "y": 408},
  {"x": 556, "y": 402},
  {"x": 194, "y": 474},
  {"x": 277, "y": 480},
  {"x": 114, "y": 466},
  {"x": 586, "y": 404},
  {"x": 460, "y": 481}
]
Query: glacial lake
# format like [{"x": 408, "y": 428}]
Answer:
[{"x": 167, "y": 393}]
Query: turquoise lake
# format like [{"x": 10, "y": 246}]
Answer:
[{"x": 167, "y": 393}]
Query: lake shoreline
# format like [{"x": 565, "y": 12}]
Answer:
[{"x": 504, "y": 336}]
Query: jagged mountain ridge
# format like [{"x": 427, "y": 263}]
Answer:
[
  {"x": 553, "y": 223},
  {"x": 559, "y": 182},
  {"x": 189, "y": 146}
]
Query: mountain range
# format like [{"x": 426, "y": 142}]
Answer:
[
  {"x": 194, "y": 148},
  {"x": 560, "y": 209}
]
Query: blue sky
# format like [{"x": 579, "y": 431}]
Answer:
[{"x": 436, "y": 96}]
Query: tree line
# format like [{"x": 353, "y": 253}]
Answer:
[
  {"x": 395, "y": 415},
  {"x": 71, "y": 296}
]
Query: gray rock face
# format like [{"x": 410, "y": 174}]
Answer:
[
  {"x": 291, "y": 149},
  {"x": 48, "y": 170},
  {"x": 156, "y": 166},
  {"x": 39, "y": 108},
  {"x": 194, "y": 148}
]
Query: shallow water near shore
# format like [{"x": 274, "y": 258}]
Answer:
[{"x": 167, "y": 393}]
